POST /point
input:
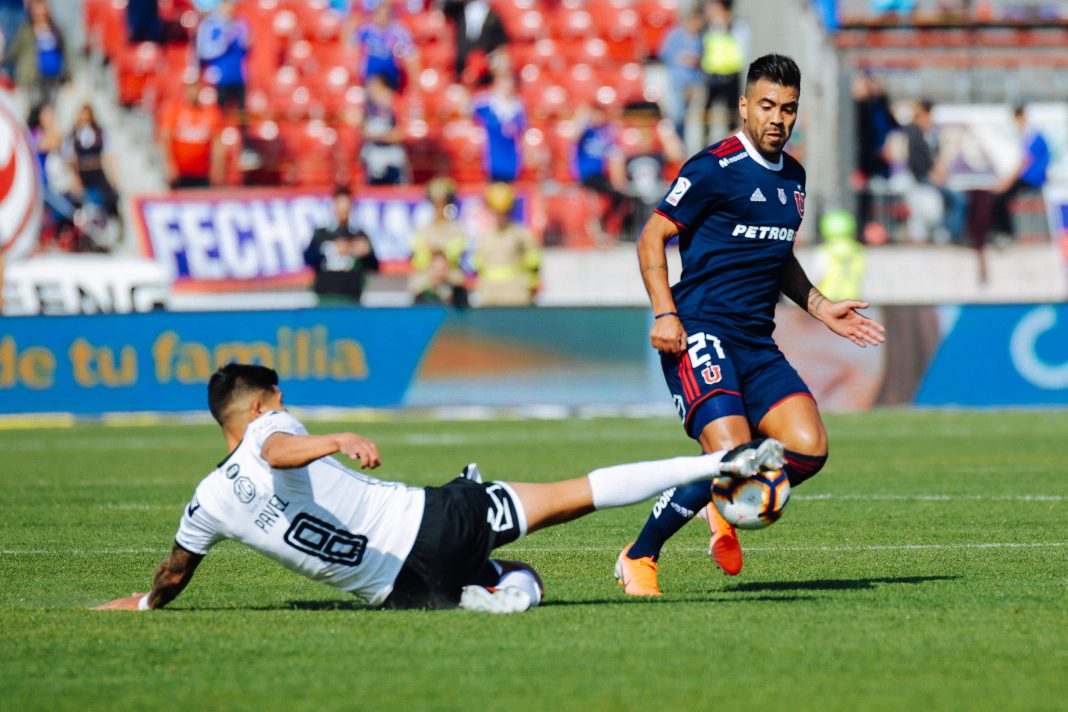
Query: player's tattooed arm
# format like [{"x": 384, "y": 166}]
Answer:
[
  {"x": 843, "y": 318},
  {"x": 797, "y": 286},
  {"x": 172, "y": 576}
]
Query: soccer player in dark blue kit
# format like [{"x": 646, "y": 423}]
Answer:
[{"x": 736, "y": 208}]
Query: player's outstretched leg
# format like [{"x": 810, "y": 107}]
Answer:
[
  {"x": 544, "y": 505},
  {"x": 636, "y": 567}
]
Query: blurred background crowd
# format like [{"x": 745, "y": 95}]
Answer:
[{"x": 567, "y": 118}]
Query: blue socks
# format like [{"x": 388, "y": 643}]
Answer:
[{"x": 675, "y": 507}]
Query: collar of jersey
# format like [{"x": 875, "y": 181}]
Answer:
[{"x": 755, "y": 155}]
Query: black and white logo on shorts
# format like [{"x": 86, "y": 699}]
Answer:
[{"x": 499, "y": 515}]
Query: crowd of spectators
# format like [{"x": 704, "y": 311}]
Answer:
[
  {"x": 904, "y": 174},
  {"x": 388, "y": 92}
]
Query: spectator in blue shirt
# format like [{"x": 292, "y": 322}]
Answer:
[
  {"x": 1030, "y": 174},
  {"x": 601, "y": 166},
  {"x": 222, "y": 45},
  {"x": 388, "y": 49},
  {"x": 501, "y": 113},
  {"x": 38, "y": 54},
  {"x": 681, "y": 52}
]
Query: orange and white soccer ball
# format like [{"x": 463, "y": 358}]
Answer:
[{"x": 752, "y": 503}]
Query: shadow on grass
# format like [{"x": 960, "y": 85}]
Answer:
[
  {"x": 834, "y": 584},
  {"x": 678, "y": 600},
  {"x": 359, "y": 606}
]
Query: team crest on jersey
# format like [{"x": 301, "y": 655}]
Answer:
[
  {"x": 681, "y": 186},
  {"x": 799, "y": 198},
  {"x": 712, "y": 374},
  {"x": 782, "y": 196}
]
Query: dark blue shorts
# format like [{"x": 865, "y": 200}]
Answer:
[{"x": 717, "y": 377}]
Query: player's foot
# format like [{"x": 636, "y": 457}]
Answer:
[
  {"x": 746, "y": 460},
  {"x": 724, "y": 548},
  {"x": 494, "y": 600},
  {"x": 471, "y": 472},
  {"x": 637, "y": 576}
]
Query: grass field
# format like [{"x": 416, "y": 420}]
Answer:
[{"x": 925, "y": 568}]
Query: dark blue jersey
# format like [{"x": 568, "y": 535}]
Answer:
[{"x": 737, "y": 216}]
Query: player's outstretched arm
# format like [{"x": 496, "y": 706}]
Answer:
[
  {"x": 667, "y": 334},
  {"x": 283, "y": 450},
  {"x": 843, "y": 318},
  {"x": 172, "y": 576}
]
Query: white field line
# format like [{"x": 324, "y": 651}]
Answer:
[
  {"x": 930, "y": 497},
  {"x": 519, "y": 547},
  {"x": 596, "y": 549},
  {"x": 801, "y": 497}
]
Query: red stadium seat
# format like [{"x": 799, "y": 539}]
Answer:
[
  {"x": 327, "y": 28},
  {"x": 331, "y": 87},
  {"x": 548, "y": 54},
  {"x": 593, "y": 50},
  {"x": 570, "y": 216},
  {"x": 464, "y": 143},
  {"x": 135, "y": 66},
  {"x": 541, "y": 94},
  {"x": 439, "y": 55},
  {"x": 656, "y": 17},
  {"x": 427, "y": 27},
  {"x": 523, "y": 24},
  {"x": 629, "y": 82},
  {"x": 571, "y": 23},
  {"x": 107, "y": 35},
  {"x": 562, "y": 138},
  {"x": 582, "y": 82}
]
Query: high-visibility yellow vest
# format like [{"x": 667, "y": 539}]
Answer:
[
  {"x": 722, "y": 54},
  {"x": 844, "y": 261}
]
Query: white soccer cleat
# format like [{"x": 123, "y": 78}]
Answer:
[
  {"x": 494, "y": 600},
  {"x": 471, "y": 472},
  {"x": 745, "y": 461}
]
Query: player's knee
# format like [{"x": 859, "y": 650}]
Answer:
[{"x": 811, "y": 442}]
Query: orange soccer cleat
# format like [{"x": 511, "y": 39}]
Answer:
[
  {"x": 724, "y": 548},
  {"x": 637, "y": 576}
]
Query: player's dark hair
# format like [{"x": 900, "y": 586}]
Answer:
[
  {"x": 234, "y": 380},
  {"x": 777, "y": 68}
]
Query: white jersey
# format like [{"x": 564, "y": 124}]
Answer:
[{"x": 324, "y": 521}]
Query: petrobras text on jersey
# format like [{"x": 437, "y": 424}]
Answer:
[{"x": 764, "y": 232}]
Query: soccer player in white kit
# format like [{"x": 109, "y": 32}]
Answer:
[{"x": 280, "y": 493}]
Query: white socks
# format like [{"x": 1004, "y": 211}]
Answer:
[
  {"x": 620, "y": 485},
  {"x": 525, "y": 582}
]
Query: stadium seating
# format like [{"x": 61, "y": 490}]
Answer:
[{"x": 304, "y": 90}]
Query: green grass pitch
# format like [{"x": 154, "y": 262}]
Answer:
[{"x": 925, "y": 568}]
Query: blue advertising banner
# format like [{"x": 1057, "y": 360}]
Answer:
[
  {"x": 162, "y": 361},
  {"x": 1000, "y": 355}
]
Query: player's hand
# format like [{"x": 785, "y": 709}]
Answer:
[
  {"x": 668, "y": 335},
  {"x": 122, "y": 604},
  {"x": 843, "y": 319},
  {"x": 359, "y": 448}
]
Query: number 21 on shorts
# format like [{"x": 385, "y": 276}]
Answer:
[{"x": 700, "y": 358}]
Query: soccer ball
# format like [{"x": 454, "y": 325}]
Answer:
[{"x": 751, "y": 503}]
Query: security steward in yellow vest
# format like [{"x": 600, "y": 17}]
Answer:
[{"x": 507, "y": 256}]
